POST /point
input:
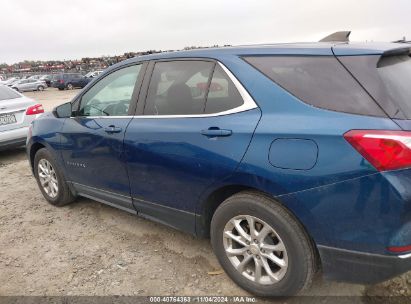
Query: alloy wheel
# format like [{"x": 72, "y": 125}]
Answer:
[
  {"x": 48, "y": 178},
  {"x": 255, "y": 249}
]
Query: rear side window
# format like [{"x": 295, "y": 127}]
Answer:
[
  {"x": 320, "y": 81},
  {"x": 222, "y": 93},
  {"x": 6, "y": 93},
  {"x": 178, "y": 88}
]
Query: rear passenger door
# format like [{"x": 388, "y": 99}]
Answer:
[{"x": 192, "y": 130}]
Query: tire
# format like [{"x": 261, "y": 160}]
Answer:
[
  {"x": 61, "y": 89},
  {"x": 295, "y": 251},
  {"x": 63, "y": 195},
  {"x": 69, "y": 86},
  {"x": 40, "y": 88}
]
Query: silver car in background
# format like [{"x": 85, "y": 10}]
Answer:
[
  {"x": 16, "y": 114},
  {"x": 29, "y": 84},
  {"x": 10, "y": 81}
]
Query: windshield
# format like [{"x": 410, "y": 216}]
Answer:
[
  {"x": 395, "y": 72},
  {"x": 6, "y": 93}
]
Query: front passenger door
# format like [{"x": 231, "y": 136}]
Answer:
[
  {"x": 93, "y": 138},
  {"x": 31, "y": 85},
  {"x": 23, "y": 85}
]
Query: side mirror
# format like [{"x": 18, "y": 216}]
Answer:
[{"x": 63, "y": 111}]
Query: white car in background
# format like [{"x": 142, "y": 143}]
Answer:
[
  {"x": 93, "y": 74},
  {"x": 9, "y": 82},
  {"x": 16, "y": 114},
  {"x": 29, "y": 84}
]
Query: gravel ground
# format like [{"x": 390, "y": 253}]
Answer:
[{"x": 88, "y": 248}]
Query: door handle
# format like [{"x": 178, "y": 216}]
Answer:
[
  {"x": 112, "y": 129},
  {"x": 216, "y": 132}
]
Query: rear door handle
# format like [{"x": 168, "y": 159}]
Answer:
[
  {"x": 216, "y": 132},
  {"x": 112, "y": 129}
]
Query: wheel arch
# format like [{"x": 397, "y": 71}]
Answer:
[
  {"x": 218, "y": 196},
  {"x": 33, "y": 150},
  {"x": 210, "y": 204}
]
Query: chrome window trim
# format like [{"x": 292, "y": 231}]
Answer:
[{"x": 248, "y": 104}]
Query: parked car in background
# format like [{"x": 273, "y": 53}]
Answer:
[
  {"x": 46, "y": 79},
  {"x": 93, "y": 74},
  {"x": 69, "y": 81},
  {"x": 10, "y": 81},
  {"x": 292, "y": 157},
  {"x": 16, "y": 114},
  {"x": 29, "y": 84},
  {"x": 34, "y": 77}
]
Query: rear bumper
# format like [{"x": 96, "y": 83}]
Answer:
[
  {"x": 58, "y": 85},
  {"x": 359, "y": 267},
  {"x": 13, "y": 138},
  {"x": 14, "y": 143}
]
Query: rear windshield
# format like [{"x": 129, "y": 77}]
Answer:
[
  {"x": 320, "y": 81},
  {"x": 6, "y": 93},
  {"x": 395, "y": 72}
]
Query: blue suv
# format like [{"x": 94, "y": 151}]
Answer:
[
  {"x": 69, "y": 81},
  {"x": 292, "y": 158}
]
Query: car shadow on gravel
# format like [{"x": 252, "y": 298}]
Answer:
[
  {"x": 12, "y": 155},
  {"x": 194, "y": 253}
]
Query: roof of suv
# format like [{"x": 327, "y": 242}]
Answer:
[{"x": 309, "y": 48}]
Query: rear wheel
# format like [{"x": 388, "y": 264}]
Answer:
[
  {"x": 51, "y": 180},
  {"x": 40, "y": 88},
  {"x": 261, "y": 246}
]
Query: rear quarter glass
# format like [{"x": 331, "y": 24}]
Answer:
[
  {"x": 320, "y": 81},
  {"x": 387, "y": 78}
]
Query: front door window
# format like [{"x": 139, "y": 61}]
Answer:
[{"x": 111, "y": 96}]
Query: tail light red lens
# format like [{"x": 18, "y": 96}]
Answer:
[
  {"x": 385, "y": 150},
  {"x": 36, "y": 109},
  {"x": 399, "y": 249}
]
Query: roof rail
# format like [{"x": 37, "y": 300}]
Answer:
[{"x": 343, "y": 36}]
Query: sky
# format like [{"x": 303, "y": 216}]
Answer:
[{"x": 58, "y": 30}]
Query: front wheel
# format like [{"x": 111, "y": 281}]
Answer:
[
  {"x": 51, "y": 180},
  {"x": 70, "y": 86},
  {"x": 261, "y": 246},
  {"x": 40, "y": 88}
]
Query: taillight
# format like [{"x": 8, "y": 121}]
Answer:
[
  {"x": 385, "y": 150},
  {"x": 36, "y": 109},
  {"x": 61, "y": 81},
  {"x": 399, "y": 249}
]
